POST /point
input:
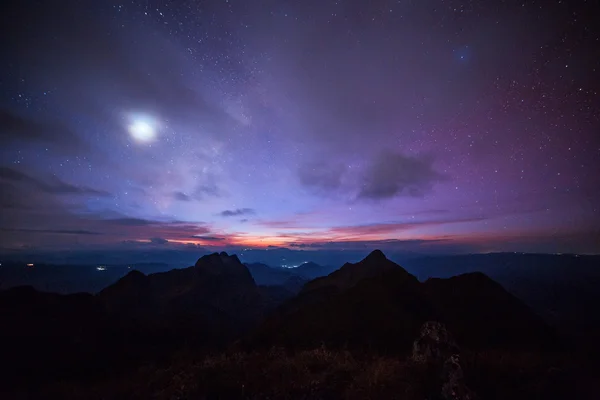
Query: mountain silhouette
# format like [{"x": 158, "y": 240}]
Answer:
[
  {"x": 373, "y": 306},
  {"x": 218, "y": 288},
  {"x": 482, "y": 313},
  {"x": 375, "y": 303},
  {"x": 349, "y": 274}
]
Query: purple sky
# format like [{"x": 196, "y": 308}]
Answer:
[{"x": 429, "y": 125}]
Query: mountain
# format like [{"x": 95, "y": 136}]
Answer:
[
  {"x": 562, "y": 288},
  {"x": 137, "y": 319},
  {"x": 350, "y": 274},
  {"x": 51, "y": 336},
  {"x": 483, "y": 314},
  {"x": 217, "y": 295},
  {"x": 377, "y": 304},
  {"x": 188, "y": 328}
]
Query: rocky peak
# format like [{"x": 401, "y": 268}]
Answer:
[
  {"x": 376, "y": 255},
  {"x": 375, "y": 264},
  {"x": 225, "y": 266}
]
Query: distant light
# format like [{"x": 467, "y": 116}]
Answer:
[
  {"x": 30, "y": 265},
  {"x": 101, "y": 268}
]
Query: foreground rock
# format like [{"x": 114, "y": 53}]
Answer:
[
  {"x": 453, "y": 381},
  {"x": 436, "y": 348},
  {"x": 434, "y": 344}
]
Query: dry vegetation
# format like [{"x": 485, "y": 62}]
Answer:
[{"x": 323, "y": 374}]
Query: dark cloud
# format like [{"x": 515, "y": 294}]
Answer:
[
  {"x": 209, "y": 238},
  {"x": 201, "y": 192},
  {"x": 321, "y": 177},
  {"x": 52, "y": 185},
  {"x": 394, "y": 174},
  {"x": 385, "y": 176},
  {"x": 158, "y": 240},
  {"x": 237, "y": 212},
  {"x": 181, "y": 196},
  {"x": 392, "y": 227},
  {"x": 53, "y": 231},
  {"x": 208, "y": 190},
  {"x": 16, "y": 128},
  {"x": 128, "y": 221},
  {"x": 428, "y": 246},
  {"x": 10, "y": 197}
]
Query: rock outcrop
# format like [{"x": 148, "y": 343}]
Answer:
[
  {"x": 434, "y": 344},
  {"x": 436, "y": 348},
  {"x": 453, "y": 381}
]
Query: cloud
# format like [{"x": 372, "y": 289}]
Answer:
[
  {"x": 181, "y": 196},
  {"x": 392, "y": 227},
  {"x": 385, "y": 176},
  {"x": 199, "y": 193},
  {"x": 321, "y": 177},
  {"x": 16, "y": 128},
  {"x": 394, "y": 174},
  {"x": 209, "y": 238},
  {"x": 52, "y": 185},
  {"x": 440, "y": 245},
  {"x": 207, "y": 190},
  {"x": 53, "y": 231},
  {"x": 130, "y": 222},
  {"x": 158, "y": 240},
  {"x": 237, "y": 212}
]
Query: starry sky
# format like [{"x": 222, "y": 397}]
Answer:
[{"x": 416, "y": 125}]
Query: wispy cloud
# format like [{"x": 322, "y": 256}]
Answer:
[
  {"x": 52, "y": 231},
  {"x": 210, "y": 238},
  {"x": 237, "y": 212},
  {"x": 15, "y": 128},
  {"x": 52, "y": 185}
]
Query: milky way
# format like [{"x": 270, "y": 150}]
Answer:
[{"x": 461, "y": 126}]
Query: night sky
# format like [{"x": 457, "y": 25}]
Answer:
[{"x": 417, "y": 125}]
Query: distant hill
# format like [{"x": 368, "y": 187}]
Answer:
[
  {"x": 269, "y": 275},
  {"x": 67, "y": 279},
  {"x": 311, "y": 270},
  {"x": 266, "y": 275}
]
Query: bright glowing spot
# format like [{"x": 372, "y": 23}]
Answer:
[
  {"x": 142, "y": 130},
  {"x": 101, "y": 268}
]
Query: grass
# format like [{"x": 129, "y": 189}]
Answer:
[{"x": 322, "y": 373}]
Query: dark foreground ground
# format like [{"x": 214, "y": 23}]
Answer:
[{"x": 327, "y": 374}]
